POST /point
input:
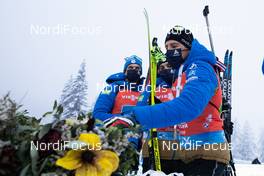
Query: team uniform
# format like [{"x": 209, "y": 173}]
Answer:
[{"x": 190, "y": 129}]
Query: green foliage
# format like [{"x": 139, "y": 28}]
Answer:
[
  {"x": 21, "y": 136},
  {"x": 17, "y": 129}
]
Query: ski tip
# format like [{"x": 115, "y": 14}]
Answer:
[
  {"x": 145, "y": 11},
  {"x": 231, "y": 55},
  {"x": 226, "y": 53}
]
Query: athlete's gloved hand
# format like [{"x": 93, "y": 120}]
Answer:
[
  {"x": 228, "y": 126},
  {"x": 156, "y": 100},
  {"x": 125, "y": 121}
]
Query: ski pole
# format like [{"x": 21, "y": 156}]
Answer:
[
  {"x": 227, "y": 90},
  {"x": 205, "y": 14}
]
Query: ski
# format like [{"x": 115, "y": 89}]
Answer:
[
  {"x": 225, "y": 79},
  {"x": 226, "y": 107},
  {"x": 153, "y": 142},
  {"x": 227, "y": 93},
  {"x": 155, "y": 55}
]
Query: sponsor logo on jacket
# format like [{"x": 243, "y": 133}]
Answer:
[{"x": 130, "y": 97}]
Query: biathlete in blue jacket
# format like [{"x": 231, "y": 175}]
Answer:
[
  {"x": 190, "y": 129},
  {"x": 123, "y": 90}
]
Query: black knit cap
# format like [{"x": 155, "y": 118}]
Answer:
[
  {"x": 180, "y": 34},
  {"x": 161, "y": 62}
]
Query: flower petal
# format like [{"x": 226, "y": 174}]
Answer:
[
  {"x": 72, "y": 160},
  {"x": 86, "y": 170},
  {"x": 107, "y": 160},
  {"x": 104, "y": 167},
  {"x": 90, "y": 138}
]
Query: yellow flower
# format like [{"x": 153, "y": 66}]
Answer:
[{"x": 90, "y": 162}]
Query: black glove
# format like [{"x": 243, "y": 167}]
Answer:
[
  {"x": 157, "y": 101},
  {"x": 228, "y": 127}
]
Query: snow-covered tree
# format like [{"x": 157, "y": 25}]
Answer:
[
  {"x": 236, "y": 141},
  {"x": 74, "y": 95},
  {"x": 261, "y": 146},
  {"x": 248, "y": 143},
  {"x": 64, "y": 100}
]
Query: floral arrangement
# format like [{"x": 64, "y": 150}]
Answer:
[{"x": 53, "y": 146}]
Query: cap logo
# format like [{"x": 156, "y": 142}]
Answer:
[
  {"x": 133, "y": 61},
  {"x": 186, "y": 42}
]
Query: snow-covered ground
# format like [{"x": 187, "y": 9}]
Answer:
[
  {"x": 241, "y": 170},
  {"x": 250, "y": 169}
]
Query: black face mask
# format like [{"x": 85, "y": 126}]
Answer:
[
  {"x": 174, "y": 58},
  {"x": 133, "y": 76},
  {"x": 167, "y": 75}
]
